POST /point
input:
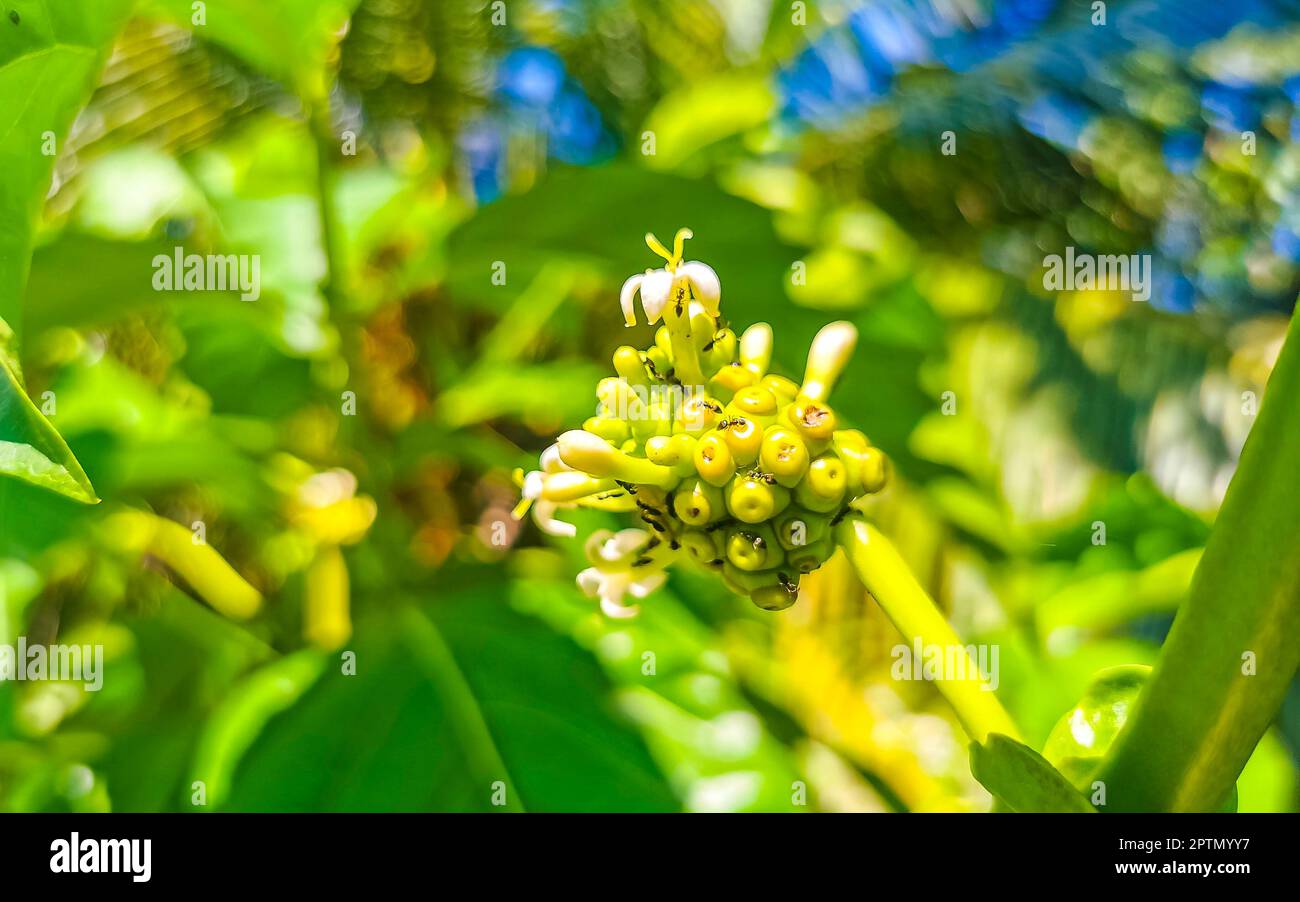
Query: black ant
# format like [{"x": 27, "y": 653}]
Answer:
[
  {"x": 658, "y": 527},
  {"x": 760, "y": 476},
  {"x": 791, "y": 587}
]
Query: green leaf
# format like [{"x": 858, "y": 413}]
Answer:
[
  {"x": 49, "y": 55},
  {"x": 81, "y": 280},
  {"x": 244, "y": 713},
  {"x": 487, "y": 393},
  {"x": 1023, "y": 779},
  {"x": 1232, "y": 652},
  {"x": 599, "y": 216},
  {"x": 1108, "y": 600},
  {"x": 707, "y": 111},
  {"x": 446, "y": 701},
  {"x": 31, "y": 449},
  {"x": 288, "y": 40}
]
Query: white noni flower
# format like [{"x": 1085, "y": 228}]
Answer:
[{"x": 676, "y": 282}]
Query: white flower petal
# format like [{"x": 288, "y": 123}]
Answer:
[
  {"x": 544, "y": 517},
  {"x": 656, "y": 289},
  {"x": 627, "y": 298},
  {"x": 550, "y": 460},
  {"x": 630, "y": 540},
  {"x": 610, "y": 553},
  {"x": 589, "y": 581},
  {"x": 705, "y": 284},
  {"x": 532, "y": 489},
  {"x": 594, "y": 543},
  {"x": 617, "y": 611},
  {"x": 645, "y": 585}
]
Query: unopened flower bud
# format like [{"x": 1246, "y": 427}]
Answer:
[
  {"x": 592, "y": 454},
  {"x": 756, "y": 349},
  {"x": 829, "y": 354}
]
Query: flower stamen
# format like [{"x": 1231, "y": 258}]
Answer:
[{"x": 657, "y": 246}]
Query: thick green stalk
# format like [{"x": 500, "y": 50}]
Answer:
[
  {"x": 1235, "y": 643},
  {"x": 890, "y": 581}
]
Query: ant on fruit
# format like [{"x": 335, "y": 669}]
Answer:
[
  {"x": 791, "y": 587},
  {"x": 759, "y": 476}
]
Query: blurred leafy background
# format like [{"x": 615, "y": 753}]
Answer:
[{"x": 347, "y": 440}]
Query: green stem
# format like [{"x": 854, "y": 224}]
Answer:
[
  {"x": 890, "y": 581},
  {"x": 331, "y": 240},
  {"x": 1235, "y": 643}
]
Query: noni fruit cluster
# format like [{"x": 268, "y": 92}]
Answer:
[{"x": 741, "y": 470}]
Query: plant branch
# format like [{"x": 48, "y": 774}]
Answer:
[
  {"x": 890, "y": 581},
  {"x": 1235, "y": 643}
]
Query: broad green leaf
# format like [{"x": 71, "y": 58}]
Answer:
[
  {"x": 1023, "y": 779},
  {"x": 49, "y": 54},
  {"x": 31, "y": 449},
  {"x": 599, "y": 216},
  {"x": 447, "y": 700},
  {"x": 80, "y": 281},
  {"x": 1232, "y": 652}
]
